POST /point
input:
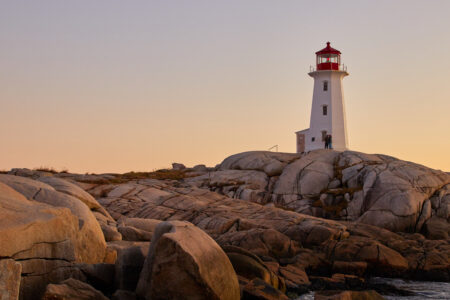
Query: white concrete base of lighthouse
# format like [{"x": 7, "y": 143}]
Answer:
[{"x": 327, "y": 113}]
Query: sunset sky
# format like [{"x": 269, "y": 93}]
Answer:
[{"x": 115, "y": 86}]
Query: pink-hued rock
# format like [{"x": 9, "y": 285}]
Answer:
[
  {"x": 90, "y": 245},
  {"x": 10, "y": 272},
  {"x": 185, "y": 263},
  {"x": 71, "y": 189},
  {"x": 72, "y": 289}
]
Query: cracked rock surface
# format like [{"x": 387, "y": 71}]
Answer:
[
  {"x": 367, "y": 188},
  {"x": 287, "y": 222},
  {"x": 46, "y": 232}
]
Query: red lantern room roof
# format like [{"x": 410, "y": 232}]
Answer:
[{"x": 328, "y": 50}]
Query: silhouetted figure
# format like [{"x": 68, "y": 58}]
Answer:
[{"x": 328, "y": 142}]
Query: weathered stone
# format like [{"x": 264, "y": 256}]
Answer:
[
  {"x": 178, "y": 166},
  {"x": 250, "y": 266},
  {"x": 101, "y": 211},
  {"x": 104, "y": 219},
  {"x": 263, "y": 242},
  {"x": 9, "y": 279},
  {"x": 24, "y": 172},
  {"x": 350, "y": 267},
  {"x": 308, "y": 175},
  {"x": 111, "y": 233},
  {"x": 190, "y": 260},
  {"x": 200, "y": 168},
  {"x": 258, "y": 289},
  {"x": 254, "y": 180},
  {"x": 43, "y": 238},
  {"x": 38, "y": 272},
  {"x": 278, "y": 235},
  {"x": 273, "y": 266},
  {"x": 25, "y": 186},
  {"x": 122, "y": 190},
  {"x": 71, "y": 189},
  {"x": 90, "y": 239},
  {"x": 379, "y": 190},
  {"x": 72, "y": 289},
  {"x": 435, "y": 265},
  {"x": 272, "y": 163},
  {"x": 90, "y": 245},
  {"x": 153, "y": 194},
  {"x": 437, "y": 228},
  {"x": 130, "y": 233},
  {"x": 380, "y": 258},
  {"x": 296, "y": 279},
  {"x": 143, "y": 224},
  {"x": 35, "y": 228}
]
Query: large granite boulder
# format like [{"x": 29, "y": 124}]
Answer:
[
  {"x": 42, "y": 238},
  {"x": 307, "y": 176},
  {"x": 185, "y": 263},
  {"x": 46, "y": 231},
  {"x": 90, "y": 245},
  {"x": 31, "y": 229}
]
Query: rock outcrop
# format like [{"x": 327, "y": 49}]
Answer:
[
  {"x": 261, "y": 225},
  {"x": 90, "y": 246},
  {"x": 314, "y": 244},
  {"x": 185, "y": 263},
  {"x": 373, "y": 189},
  {"x": 46, "y": 232}
]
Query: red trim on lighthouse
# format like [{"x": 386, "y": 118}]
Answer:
[
  {"x": 328, "y": 50},
  {"x": 328, "y": 58}
]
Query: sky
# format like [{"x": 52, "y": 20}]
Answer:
[{"x": 118, "y": 86}]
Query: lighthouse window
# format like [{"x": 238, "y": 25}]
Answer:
[
  {"x": 325, "y": 85},
  {"x": 313, "y": 139},
  {"x": 325, "y": 110}
]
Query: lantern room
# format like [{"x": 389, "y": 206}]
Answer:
[{"x": 328, "y": 58}]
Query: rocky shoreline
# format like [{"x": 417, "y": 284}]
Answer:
[{"x": 261, "y": 225}]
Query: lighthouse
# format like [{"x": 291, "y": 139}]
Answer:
[{"x": 328, "y": 110}]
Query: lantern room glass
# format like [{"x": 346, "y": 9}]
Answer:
[{"x": 328, "y": 58}]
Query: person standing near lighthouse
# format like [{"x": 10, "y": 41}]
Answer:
[{"x": 328, "y": 120}]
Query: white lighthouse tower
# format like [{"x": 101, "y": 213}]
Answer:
[{"x": 328, "y": 110}]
